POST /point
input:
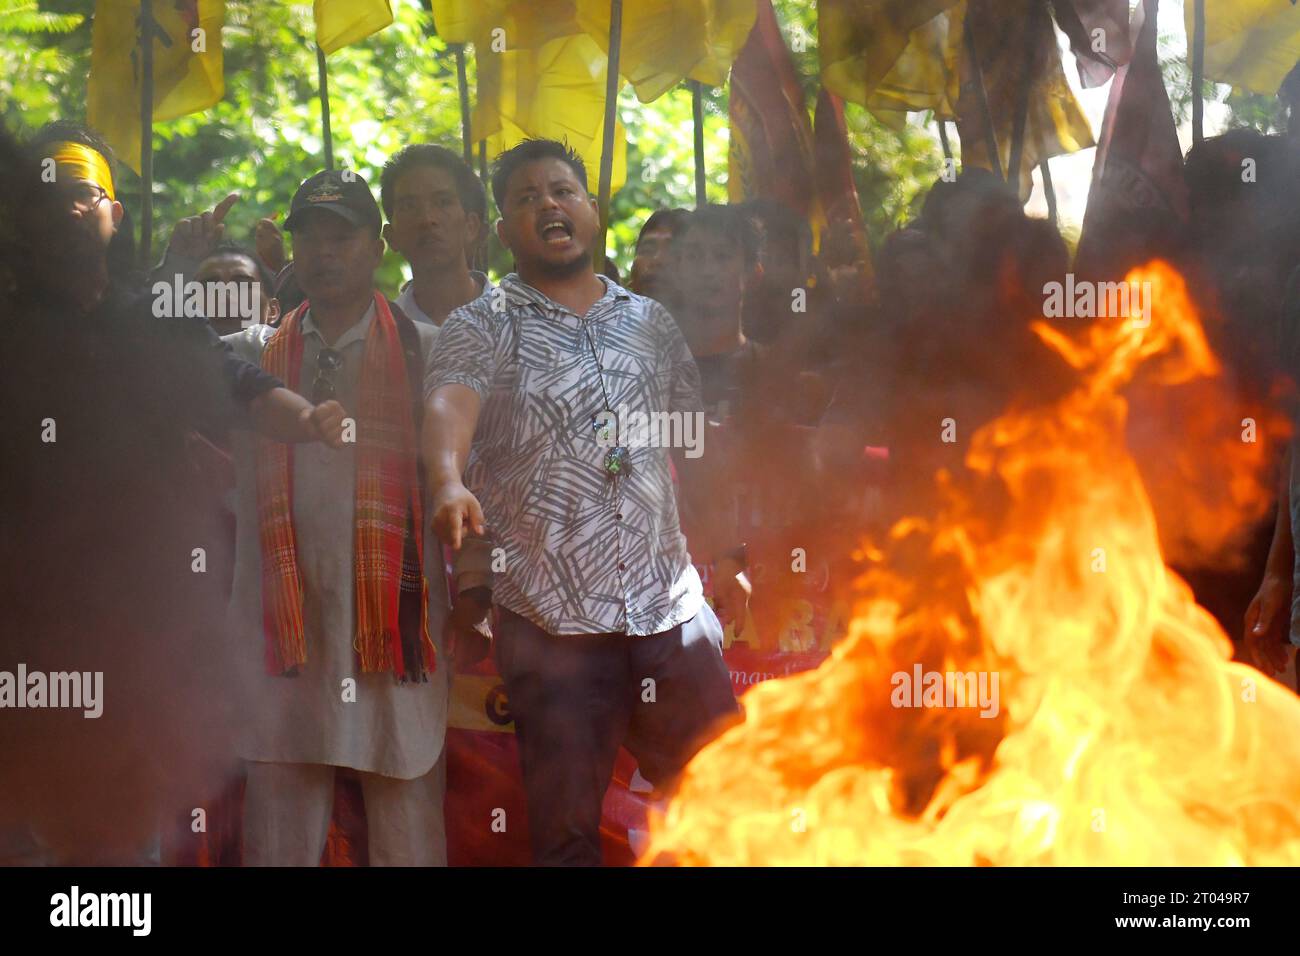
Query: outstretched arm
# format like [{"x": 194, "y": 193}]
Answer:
[{"x": 450, "y": 417}]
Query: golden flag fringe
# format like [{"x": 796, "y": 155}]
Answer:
[{"x": 187, "y": 67}]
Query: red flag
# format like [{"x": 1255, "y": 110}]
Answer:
[
  {"x": 1138, "y": 196},
  {"x": 836, "y": 191},
  {"x": 1099, "y": 37},
  {"x": 844, "y": 241},
  {"x": 771, "y": 152}
]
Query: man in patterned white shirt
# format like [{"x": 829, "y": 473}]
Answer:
[{"x": 604, "y": 637}]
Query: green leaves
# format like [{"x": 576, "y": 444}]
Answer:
[{"x": 24, "y": 16}]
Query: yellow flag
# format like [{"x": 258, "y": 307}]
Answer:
[
  {"x": 556, "y": 91},
  {"x": 1054, "y": 124},
  {"x": 499, "y": 25},
  {"x": 662, "y": 41},
  {"x": 891, "y": 55},
  {"x": 1252, "y": 44},
  {"x": 464, "y": 21},
  {"x": 340, "y": 23},
  {"x": 666, "y": 41},
  {"x": 187, "y": 67}
]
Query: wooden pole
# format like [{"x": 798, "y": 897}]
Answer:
[
  {"x": 990, "y": 135},
  {"x": 1198, "y": 72},
  {"x": 607, "y": 141},
  {"x": 463, "y": 83},
  {"x": 146, "y": 133},
  {"x": 1049, "y": 190},
  {"x": 1022, "y": 94},
  {"x": 325, "y": 107},
  {"x": 482, "y": 261},
  {"x": 943, "y": 138},
  {"x": 697, "y": 110}
]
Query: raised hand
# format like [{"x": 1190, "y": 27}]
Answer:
[{"x": 196, "y": 236}]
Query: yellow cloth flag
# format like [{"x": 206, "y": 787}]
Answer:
[
  {"x": 666, "y": 41},
  {"x": 498, "y": 25},
  {"x": 464, "y": 21},
  {"x": 1252, "y": 44},
  {"x": 340, "y": 23},
  {"x": 891, "y": 56},
  {"x": 662, "y": 41},
  {"x": 187, "y": 67},
  {"x": 1055, "y": 123},
  {"x": 556, "y": 91}
]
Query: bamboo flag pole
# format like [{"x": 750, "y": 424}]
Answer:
[
  {"x": 943, "y": 138},
  {"x": 463, "y": 84},
  {"x": 990, "y": 135},
  {"x": 1022, "y": 94},
  {"x": 325, "y": 107},
  {"x": 1198, "y": 72},
  {"x": 1049, "y": 190},
  {"x": 607, "y": 140},
  {"x": 146, "y": 132},
  {"x": 697, "y": 109}
]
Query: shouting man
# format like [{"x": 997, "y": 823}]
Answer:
[{"x": 603, "y": 636}]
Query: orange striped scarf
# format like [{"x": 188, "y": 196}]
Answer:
[{"x": 392, "y": 627}]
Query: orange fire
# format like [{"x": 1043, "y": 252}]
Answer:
[{"x": 1105, "y": 723}]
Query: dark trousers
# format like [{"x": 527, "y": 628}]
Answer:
[{"x": 575, "y": 699}]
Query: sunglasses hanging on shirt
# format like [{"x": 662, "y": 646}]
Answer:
[{"x": 328, "y": 362}]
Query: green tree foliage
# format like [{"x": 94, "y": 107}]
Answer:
[
  {"x": 396, "y": 87},
  {"x": 399, "y": 86}
]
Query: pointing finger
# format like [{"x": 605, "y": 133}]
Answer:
[{"x": 223, "y": 207}]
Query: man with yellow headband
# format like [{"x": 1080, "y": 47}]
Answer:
[{"x": 107, "y": 288}]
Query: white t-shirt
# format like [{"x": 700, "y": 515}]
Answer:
[{"x": 406, "y": 298}]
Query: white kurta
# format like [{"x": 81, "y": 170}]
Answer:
[{"x": 392, "y": 729}]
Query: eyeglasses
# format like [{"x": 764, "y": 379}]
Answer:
[
  {"x": 328, "y": 361},
  {"x": 86, "y": 195}
]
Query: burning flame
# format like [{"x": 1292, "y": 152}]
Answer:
[{"x": 1124, "y": 734}]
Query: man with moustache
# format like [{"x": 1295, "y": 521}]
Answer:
[
  {"x": 436, "y": 208},
  {"x": 337, "y": 596},
  {"x": 603, "y": 636}
]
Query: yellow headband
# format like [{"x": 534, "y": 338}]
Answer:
[{"x": 82, "y": 162}]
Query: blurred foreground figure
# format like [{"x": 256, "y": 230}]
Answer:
[{"x": 107, "y": 538}]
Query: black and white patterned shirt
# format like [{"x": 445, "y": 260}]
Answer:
[{"x": 583, "y": 553}]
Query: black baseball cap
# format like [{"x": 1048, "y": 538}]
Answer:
[{"x": 342, "y": 192}]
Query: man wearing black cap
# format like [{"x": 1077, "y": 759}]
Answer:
[{"x": 337, "y": 597}]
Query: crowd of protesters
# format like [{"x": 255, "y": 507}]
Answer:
[{"x": 414, "y": 471}]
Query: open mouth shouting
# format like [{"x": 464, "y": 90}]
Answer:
[{"x": 556, "y": 230}]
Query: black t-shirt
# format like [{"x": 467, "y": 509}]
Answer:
[
  {"x": 725, "y": 379},
  {"x": 184, "y": 352}
]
